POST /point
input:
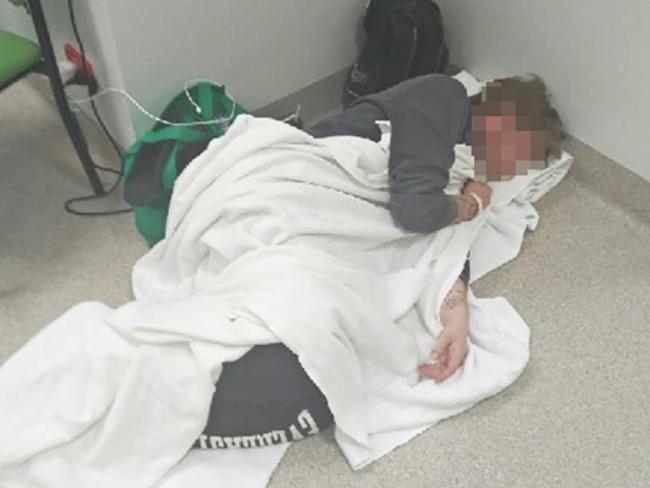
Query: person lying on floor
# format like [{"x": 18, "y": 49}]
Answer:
[
  {"x": 510, "y": 127},
  {"x": 434, "y": 128}
]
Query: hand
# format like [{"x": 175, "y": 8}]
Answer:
[
  {"x": 451, "y": 347},
  {"x": 450, "y": 351},
  {"x": 467, "y": 208},
  {"x": 481, "y": 190}
]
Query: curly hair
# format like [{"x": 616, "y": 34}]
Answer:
[{"x": 532, "y": 107}]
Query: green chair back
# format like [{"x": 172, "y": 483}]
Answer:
[{"x": 18, "y": 56}]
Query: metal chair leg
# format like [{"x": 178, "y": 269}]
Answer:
[{"x": 69, "y": 120}]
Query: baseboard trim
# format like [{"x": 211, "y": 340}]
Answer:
[
  {"x": 610, "y": 179},
  {"x": 316, "y": 101}
]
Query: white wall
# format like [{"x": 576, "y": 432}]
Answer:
[
  {"x": 593, "y": 55},
  {"x": 15, "y": 20},
  {"x": 261, "y": 50}
]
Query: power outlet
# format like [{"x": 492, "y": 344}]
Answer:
[
  {"x": 84, "y": 74},
  {"x": 67, "y": 70}
]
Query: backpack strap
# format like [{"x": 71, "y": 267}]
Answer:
[
  {"x": 432, "y": 54},
  {"x": 403, "y": 45}
]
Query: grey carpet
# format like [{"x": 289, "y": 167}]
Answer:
[{"x": 578, "y": 415}]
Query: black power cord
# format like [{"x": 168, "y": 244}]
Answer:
[{"x": 92, "y": 90}]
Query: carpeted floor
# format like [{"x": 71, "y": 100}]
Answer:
[{"x": 577, "y": 417}]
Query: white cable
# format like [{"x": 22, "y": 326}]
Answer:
[
  {"x": 220, "y": 120},
  {"x": 73, "y": 108},
  {"x": 295, "y": 115},
  {"x": 205, "y": 80}
]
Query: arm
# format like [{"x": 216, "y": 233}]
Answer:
[
  {"x": 413, "y": 212},
  {"x": 454, "y": 306},
  {"x": 451, "y": 346},
  {"x": 428, "y": 116},
  {"x": 431, "y": 212}
]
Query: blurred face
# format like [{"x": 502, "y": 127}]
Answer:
[{"x": 503, "y": 144}]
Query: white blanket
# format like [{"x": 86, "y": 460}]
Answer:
[{"x": 272, "y": 236}]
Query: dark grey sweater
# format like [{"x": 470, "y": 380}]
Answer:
[{"x": 429, "y": 115}]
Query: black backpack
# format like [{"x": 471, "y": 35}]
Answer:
[{"x": 404, "y": 39}]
